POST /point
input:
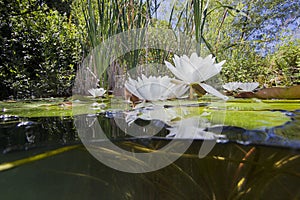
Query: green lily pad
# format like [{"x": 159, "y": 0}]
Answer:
[
  {"x": 292, "y": 92},
  {"x": 245, "y": 113},
  {"x": 56, "y": 107},
  {"x": 249, "y": 113},
  {"x": 253, "y": 119},
  {"x": 259, "y": 105}
]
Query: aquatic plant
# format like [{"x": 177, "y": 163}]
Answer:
[
  {"x": 155, "y": 112},
  {"x": 245, "y": 87},
  {"x": 196, "y": 70},
  {"x": 97, "y": 92},
  {"x": 155, "y": 88},
  {"x": 248, "y": 87},
  {"x": 231, "y": 86},
  {"x": 292, "y": 92}
]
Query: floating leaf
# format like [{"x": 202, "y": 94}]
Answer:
[{"x": 273, "y": 93}]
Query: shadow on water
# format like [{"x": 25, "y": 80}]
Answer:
[{"x": 251, "y": 164}]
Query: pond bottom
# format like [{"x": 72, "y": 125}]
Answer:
[{"x": 229, "y": 171}]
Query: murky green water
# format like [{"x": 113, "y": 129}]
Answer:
[{"x": 257, "y": 159}]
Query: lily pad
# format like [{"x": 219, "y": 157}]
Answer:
[
  {"x": 273, "y": 93},
  {"x": 44, "y": 108},
  {"x": 250, "y": 113},
  {"x": 245, "y": 113},
  {"x": 254, "y": 119}
]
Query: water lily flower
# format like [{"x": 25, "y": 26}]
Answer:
[
  {"x": 196, "y": 70},
  {"x": 155, "y": 88},
  {"x": 248, "y": 87},
  {"x": 97, "y": 92},
  {"x": 232, "y": 86}
]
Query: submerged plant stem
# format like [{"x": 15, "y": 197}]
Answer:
[{"x": 10, "y": 165}]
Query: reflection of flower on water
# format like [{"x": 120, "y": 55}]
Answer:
[
  {"x": 196, "y": 70},
  {"x": 190, "y": 128},
  {"x": 97, "y": 106},
  {"x": 155, "y": 88},
  {"x": 97, "y": 92},
  {"x": 155, "y": 112},
  {"x": 193, "y": 128}
]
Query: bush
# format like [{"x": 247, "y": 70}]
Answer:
[
  {"x": 245, "y": 65},
  {"x": 40, "y": 51},
  {"x": 281, "y": 68},
  {"x": 285, "y": 64}
]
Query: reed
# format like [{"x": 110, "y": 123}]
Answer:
[
  {"x": 202, "y": 21},
  {"x": 105, "y": 18}
]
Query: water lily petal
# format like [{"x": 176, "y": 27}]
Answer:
[
  {"x": 130, "y": 85},
  {"x": 195, "y": 59},
  {"x": 194, "y": 69},
  {"x": 177, "y": 91},
  {"x": 97, "y": 92},
  {"x": 213, "y": 91},
  {"x": 174, "y": 70},
  {"x": 190, "y": 72},
  {"x": 208, "y": 69},
  {"x": 155, "y": 88},
  {"x": 219, "y": 65}
]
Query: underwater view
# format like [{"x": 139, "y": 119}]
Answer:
[{"x": 255, "y": 156}]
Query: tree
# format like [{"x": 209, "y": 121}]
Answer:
[{"x": 40, "y": 50}]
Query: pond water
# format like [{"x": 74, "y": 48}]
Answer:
[{"x": 256, "y": 155}]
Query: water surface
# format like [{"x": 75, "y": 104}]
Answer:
[{"x": 258, "y": 160}]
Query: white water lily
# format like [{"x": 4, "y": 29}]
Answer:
[
  {"x": 248, "y": 87},
  {"x": 155, "y": 88},
  {"x": 97, "y": 92},
  {"x": 232, "y": 86},
  {"x": 197, "y": 70}
]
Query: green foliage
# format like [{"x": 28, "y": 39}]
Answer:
[
  {"x": 40, "y": 50},
  {"x": 285, "y": 64},
  {"x": 247, "y": 66},
  {"x": 244, "y": 33},
  {"x": 278, "y": 69}
]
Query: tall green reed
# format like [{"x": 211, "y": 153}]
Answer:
[
  {"x": 106, "y": 18},
  {"x": 195, "y": 18}
]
